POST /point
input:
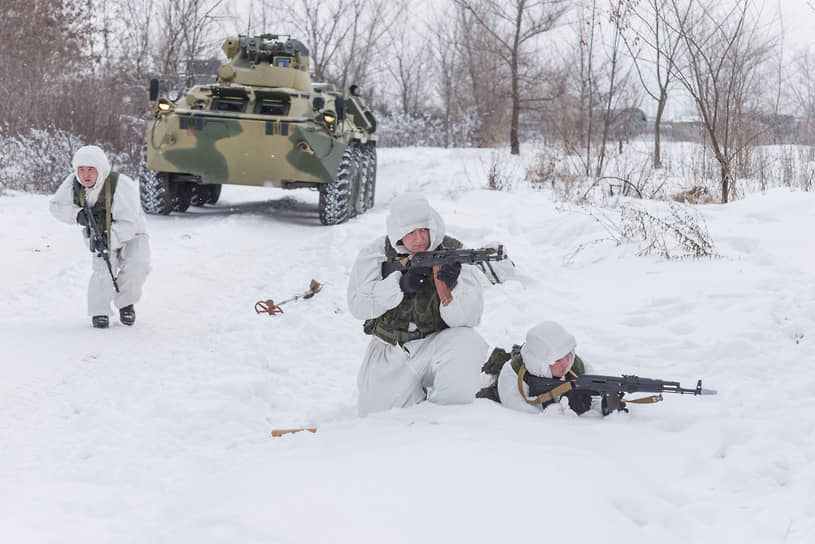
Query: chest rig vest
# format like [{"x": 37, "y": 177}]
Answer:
[
  {"x": 101, "y": 210},
  {"x": 420, "y": 309}
]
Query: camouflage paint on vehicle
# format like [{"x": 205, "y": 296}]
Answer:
[{"x": 262, "y": 123}]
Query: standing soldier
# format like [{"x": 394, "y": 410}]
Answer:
[
  {"x": 421, "y": 349},
  {"x": 113, "y": 200}
]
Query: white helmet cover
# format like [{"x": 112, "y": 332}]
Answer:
[
  {"x": 546, "y": 343},
  {"x": 411, "y": 211}
]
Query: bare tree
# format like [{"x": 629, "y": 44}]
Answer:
[
  {"x": 36, "y": 81},
  {"x": 722, "y": 57},
  {"x": 802, "y": 90},
  {"x": 361, "y": 53},
  {"x": 514, "y": 25},
  {"x": 482, "y": 82},
  {"x": 656, "y": 73},
  {"x": 137, "y": 23},
  {"x": 408, "y": 67},
  {"x": 445, "y": 33},
  {"x": 184, "y": 27},
  {"x": 619, "y": 14},
  {"x": 324, "y": 28},
  {"x": 345, "y": 37}
]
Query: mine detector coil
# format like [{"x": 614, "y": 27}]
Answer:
[{"x": 269, "y": 307}]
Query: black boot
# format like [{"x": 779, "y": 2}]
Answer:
[
  {"x": 127, "y": 315},
  {"x": 100, "y": 321}
]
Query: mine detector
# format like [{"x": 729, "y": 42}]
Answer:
[{"x": 262, "y": 123}]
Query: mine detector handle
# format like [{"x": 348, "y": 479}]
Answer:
[
  {"x": 611, "y": 389},
  {"x": 436, "y": 259}
]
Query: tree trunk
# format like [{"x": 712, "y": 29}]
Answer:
[
  {"x": 514, "y": 142},
  {"x": 657, "y": 130},
  {"x": 726, "y": 177}
]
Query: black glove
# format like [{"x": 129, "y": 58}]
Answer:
[
  {"x": 416, "y": 279},
  {"x": 579, "y": 401},
  {"x": 98, "y": 244},
  {"x": 82, "y": 217},
  {"x": 448, "y": 273}
]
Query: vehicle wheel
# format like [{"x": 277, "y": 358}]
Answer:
[
  {"x": 214, "y": 193},
  {"x": 356, "y": 198},
  {"x": 154, "y": 189},
  {"x": 205, "y": 194},
  {"x": 335, "y": 196},
  {"x": 182, "y": 194},
  {"x": 370, "y": 175},
  {"x": 198, "y": 194}
]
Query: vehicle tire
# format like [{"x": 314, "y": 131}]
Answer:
[
  {"x": 214, "y": 193},
  {"x": 335, "y": 196},
  {"x": 199, "y": 194},
  {"x": 356, "y": 198},
  {"x": 205, "y": 194},
  {"x": 154, "y": 189},
  {"x": 370, "y": 175},
  {"x": 182, "y": 195}
]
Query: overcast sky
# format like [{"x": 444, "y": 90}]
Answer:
[{"x": 798, "y": 19}]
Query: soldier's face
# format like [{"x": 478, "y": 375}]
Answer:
[
  {"x": 561, "y": 366},
  {"x": 87, "y": 175},
  {"x": 416, "y": 240}
]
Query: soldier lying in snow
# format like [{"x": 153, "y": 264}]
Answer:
[{"x": 549, "y": 352}]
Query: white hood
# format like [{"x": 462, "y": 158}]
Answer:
[
  {"x": 546, "y": 343},
  {"x": 411, "y": 211},
  {"x": 91, "y": 155}
]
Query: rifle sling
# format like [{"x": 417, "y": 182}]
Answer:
[
  {"x": 107, "y": 209},
  {"x": 549, "y": 396},
  {"x": 651, "y": 399}
]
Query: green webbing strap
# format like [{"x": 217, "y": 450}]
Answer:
[{"x": 107, "y": 207}]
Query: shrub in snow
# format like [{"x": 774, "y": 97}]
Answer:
[
  {"x": 426, "y": 130},
  {"x": 38, "y": 160},
  {"x": 504, "y": 171},
  {"x": 680, "y": 234},
  {"x": 674, "y": 231}
]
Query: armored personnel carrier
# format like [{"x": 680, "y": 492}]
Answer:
[{"x": 262, "y": 123}]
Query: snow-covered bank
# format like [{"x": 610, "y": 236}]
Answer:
[{"x": 160, "y": 433}]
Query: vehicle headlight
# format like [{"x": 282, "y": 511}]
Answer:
[
  {"x": 329, "y": 117},
  {"x": 164, "y": 105}
]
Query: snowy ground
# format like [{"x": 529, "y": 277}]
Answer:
[{"x": 161, "y": 433}]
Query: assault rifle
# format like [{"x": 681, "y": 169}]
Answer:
[
  {"x": 435, "y": 260},
  {"x": 610, "y": 388},
  {"x": 98, "y": 244}
]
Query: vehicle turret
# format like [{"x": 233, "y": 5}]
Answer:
[{"x": 268, "y": 60}]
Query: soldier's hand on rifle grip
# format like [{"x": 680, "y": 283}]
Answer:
[
  {"x": 416, "y": 279},
  {"x": 448, "y": 273},
  {"x": 579, "y": 401},
  {"x": 98, "y": 245},
  {"x": 82, "y": 217}
]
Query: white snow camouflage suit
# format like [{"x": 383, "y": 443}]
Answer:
[
  {"x": 442, "y": 367},
  {"x": 129, "y": 242}
]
